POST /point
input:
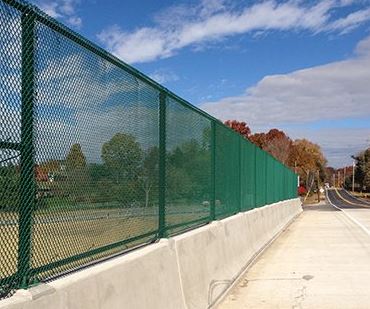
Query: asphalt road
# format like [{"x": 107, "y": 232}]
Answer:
[{"x": 344, "y": 200}]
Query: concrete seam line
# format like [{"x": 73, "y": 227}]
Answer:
[
  {"x": 179, "y": 271},
  {"x": 349, "y": 216},
  {"x": 250, "y": 263}
]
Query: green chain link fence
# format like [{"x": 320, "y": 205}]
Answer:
[{"x": 96, "y": 158}]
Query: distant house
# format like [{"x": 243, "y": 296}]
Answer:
[
  {"x": 50, "y": 171},
  {"x": 41, "y": 174}
]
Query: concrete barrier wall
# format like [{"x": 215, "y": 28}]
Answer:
[
  {"x": 211, "y": 257},
  {"x": 187, "y": 271}
]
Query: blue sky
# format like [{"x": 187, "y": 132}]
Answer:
[{"x": 302, "y": 66}]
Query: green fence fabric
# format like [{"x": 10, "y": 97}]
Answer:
[
  {"x": 261, "y": 179},
  {"x": 188, "y": 167},
  {"x": 227, "y": 161},
  {"x": 96, "y": 158},
  {"x": 247, "y": 175}
]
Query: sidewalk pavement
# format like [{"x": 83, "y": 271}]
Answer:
[{"x": 322, "y": 260}]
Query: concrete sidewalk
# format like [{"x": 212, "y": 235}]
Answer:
[{"x": 321, "y": 261}]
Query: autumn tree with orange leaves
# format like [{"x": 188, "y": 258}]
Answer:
[
  {"x": 240, "y": 127},
  {"x": 301, "y": 155}
]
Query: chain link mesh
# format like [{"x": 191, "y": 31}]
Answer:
[
  {"x": 10, "y": 137},
  {"x": 227, "y": 178},
  {"x": 96, "y": 158},
  {"x": 188, "y": 167}
]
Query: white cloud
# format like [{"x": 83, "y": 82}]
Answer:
[
  {"x": 338, "y": 144},
  {"x": 50, "y": 8},
  {"x": 164, "y": 76},
  {"x": 75, "y": 21},
  {"x": 351, "y": 21},
  {"x": 181, "y": 26},
  {"x": 329, "y": 92},
  {"x": 61, "y": 9}
]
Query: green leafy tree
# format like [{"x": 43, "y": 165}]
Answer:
[
  {"x": 362, "y": 173},
  {"x": 75, "y": 159},
  {"x": 77, "y": 176},
  {"x": 150, "y": 174},
  {"x": 9, "y": 187},
  {"x": 123, "y": 160},
  {"x": 188, "y": 171},
  {"x": 122, "y": 155}
]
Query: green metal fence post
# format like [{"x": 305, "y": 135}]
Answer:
[
  {"x": 27, "y": 180},
  {"x": 266, "y": 176},
  {"x": 213, "y": 172},
  {"x": 255, "y": 176},
  {"x": 240, "y": 173},
  {"x": 162, "y": 165}
]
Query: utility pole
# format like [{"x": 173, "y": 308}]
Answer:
[
  {"x": 353, "y": 176},
  {"x": 344, "y": 177},
  {"x": 318, "y": 186},
  {"x": 338, "y": 179},
  {"x": 334, "y": 180}
]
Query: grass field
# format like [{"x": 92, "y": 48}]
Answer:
[{"x": 63, "y": 234}]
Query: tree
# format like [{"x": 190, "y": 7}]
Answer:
[
  {"x": 240, "y": 127},
  {"x": 9, "y": 187},
  {"x": 308, "y": 158},
  {"x": 330, "y": 172},
  {"x": 278, "y": 144},
  {"x": 77, "y": 175},
  {"x": 75, "y": 159},
  {"x": 367, "y": 169},
  {"x": 362, "y": 172},
  {"x": 122, "y": 156},
  {"x": 259, "y": 139},
  {"x": 275, "y": 142},
  {"x": 302, "y": 155},
  {"x": 150, "y": 172},
  {"x": 280, "y": 149},
  {"x": 188, "y": 172}
]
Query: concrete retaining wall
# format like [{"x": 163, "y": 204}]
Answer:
[{"x": 187, "y": 271}]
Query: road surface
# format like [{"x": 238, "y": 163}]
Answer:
[
  {"x": 344, "y": 200},
  {"x": 322, "y": 260}
]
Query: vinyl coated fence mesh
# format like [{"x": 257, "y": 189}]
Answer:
[{"x": 96, "y": 158}]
